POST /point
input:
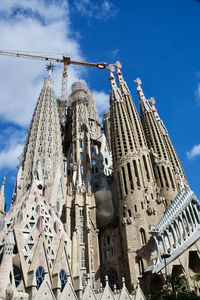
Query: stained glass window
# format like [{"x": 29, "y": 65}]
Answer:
[
  {"x": 39, "y": 276},
  {"x": 17, "y": 275},
  {"x": 63, "y": 279}
]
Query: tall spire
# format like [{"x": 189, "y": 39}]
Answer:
[
  {"x": 133, "y": 172},
  {"x": 144, "y": 104},
  {"x": 115, "y": 92},
  {"x": 132, "y": 114},
  {"x": 2, "y": 197},
  {"x": 43, "y": 150},
  {"x": 155, "y": 133}
]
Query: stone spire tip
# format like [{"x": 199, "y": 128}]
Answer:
[
  {"x": 2, "y": 186},
  {"x": 138, "y": 81}
]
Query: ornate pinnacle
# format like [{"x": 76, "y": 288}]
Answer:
[
  {"x": 2, "y": 186},
  {"x": 118, "y": 65},
  {"x": 138, "y": 82},
  {"x": 50, "y": 68},
  {"x": 153, "y": 102},
  {"x": 111, "y": 68}
]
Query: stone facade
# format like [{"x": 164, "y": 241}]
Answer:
[{"x": 83, "y": 200}]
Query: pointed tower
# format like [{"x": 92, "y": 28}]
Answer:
[
  {"x": 166, "y": 164},
  {"x": 2, "y": 198},
  {"x": 35, "y": 248},
  {"x": 133, "y": 175},
  {"x": 43, "y": 150},
  {"x": 155, "y": 131},
  {"x": 86, "y": 170}
]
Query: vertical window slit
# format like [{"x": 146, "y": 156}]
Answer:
[
  {"x": 161, "y": 182},
  {"x": 136, "y": 173},
  {"x": 146, "y": 167},
  {"x": 165, "y": 176},
  {"x": 130, "y": 176},
  {"x": 171, "y": 179},
  {"x": 120, "y": 187},
  {"x": 124, "y": 178}
]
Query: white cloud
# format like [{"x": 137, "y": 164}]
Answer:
[
  {"x": 35, "y": 26},
  {"x": 197, "y": 93},
  {"x": 13, "y": 147},
  {"x": 194, "y": 152},
  {"x": 98, "y": 10},
  {"x": 21, "y": 79},
  {"x": 114, "y": 53},
  {"x": 102, "y": 102},
  {"x": 8, "y": 158}
]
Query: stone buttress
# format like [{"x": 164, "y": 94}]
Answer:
[{"x": 86, "y": 169}]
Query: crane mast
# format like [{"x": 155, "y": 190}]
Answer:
[{"x": 65, "y": 60}]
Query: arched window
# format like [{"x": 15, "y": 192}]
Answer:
[
  {"x": 57, "y": 206},
  {"x": 140, "y": 266},
  {"x": 92, "y": 260},
  {"x": 112, "y": 277},
  {"x": 81, "y": 235},
  {"x": 39, "y": 276},
  {"x": 108, "y": 239},
  {"x": 83, "y": 258},
  {"x": 143, "y": 236},
  {"x": 84, "y": 280},
  {"x": 17, "y": 275},
  {"x": 63, "y": 279}
]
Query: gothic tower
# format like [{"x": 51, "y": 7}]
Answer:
[
  {"x": 43, "y": 150},
  {"x": 155, "y": 131},
  {"x": 167, "y": 166},
  {"x": 35, "y": 249},
  {"x": 86, "y": 168},
  {"x": 2, "y": 199},
  {"x": 138, "y": 202}
]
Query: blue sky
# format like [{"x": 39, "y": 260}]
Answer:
[{"x": 158, "y": 41}]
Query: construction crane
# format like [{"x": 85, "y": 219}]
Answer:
[{"x": 65, "y": 60}]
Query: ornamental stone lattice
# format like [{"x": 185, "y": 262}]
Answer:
[{"x": 177, "y": 230}]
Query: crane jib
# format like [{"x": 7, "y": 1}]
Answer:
[{"x": 65, "y": 59}]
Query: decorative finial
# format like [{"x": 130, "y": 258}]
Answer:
[
  {"x": 122, "y": 83},
  {"x": 106, "y": 279},
  {"x": 123, "y": 281},
  {"x": 2, "y": 186},
  {"x": 153, "y": 102},
  {"x": 88, "y": 277},
  {"x": 138, "y": 82},
  {"x": 50, "y": 68},
  {"x": 101, "y": 287},
  {"x": 111, "y": 68},
  {"x": 118, "y": 65}
]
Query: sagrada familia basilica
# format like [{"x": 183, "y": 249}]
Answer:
[{"x": 97, "y": 213}]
